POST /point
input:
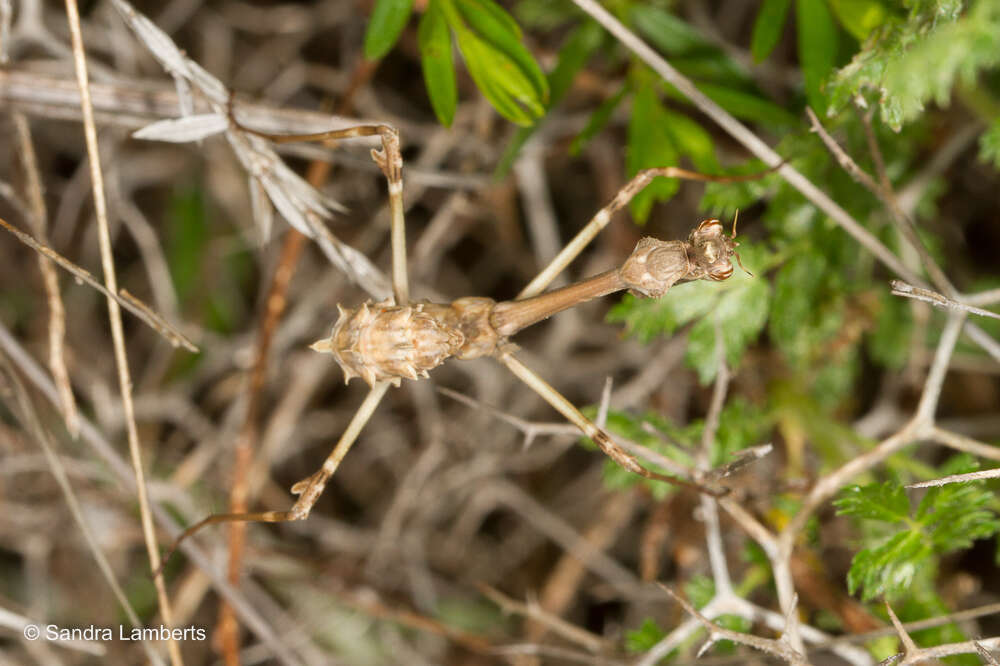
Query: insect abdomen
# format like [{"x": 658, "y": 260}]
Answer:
[{"x": 386, "y": 342}]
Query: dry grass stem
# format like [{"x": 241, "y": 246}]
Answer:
[
  {"x": 114, "y": 314},
  {"x": 123, "y": 298},
  {"x": 900, "y": 288},
  {"x": 430, "y": 520},
  {"x": 57, "y": 311}
]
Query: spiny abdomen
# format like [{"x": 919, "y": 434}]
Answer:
[{"x": 386, "y": 342}]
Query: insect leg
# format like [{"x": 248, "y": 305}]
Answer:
[
  {"x": 603, "y": 217},
  {"x": 590, "y": 429},
  {"x": 389, "y": 159},
  {"x": 309, "y": 489}
]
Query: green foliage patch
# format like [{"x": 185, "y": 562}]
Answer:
[{"x": 901, "y": 547}]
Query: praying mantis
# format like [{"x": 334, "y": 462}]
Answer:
[{"x": 385, "y": 342}]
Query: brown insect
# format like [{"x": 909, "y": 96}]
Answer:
[{"x": 386, "y": 342}]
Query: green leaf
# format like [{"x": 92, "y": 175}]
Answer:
[
  {"x": 490, "y": 18},
  {"x": 767, "y": 28},
  {"x": 666, "y": 32},
  {"x": 911, "y": 62},
  {"x": 187, "y": 239},
  {"x": 807, "y": 310},
  {"x": 957, "y": 514},
  {"x": 650, "y": 144},
  {"x": 741, "y": 425},
  {"x": 437, "y": 63},
  {"x": 989, "y": 144},
  {"x": 693, "y": 141},
  {"x": 387, "y": 22},
  {"x": 699, "y": 590},
  {"x": 572, "y": 57},
  {"x": 507, "y": 88},
  {"x": 889, "y": 342},
  {"x": 817, "y": 48},
  {"x": 890, "y": 569},
  {"x": 741, "y": 312},
  {"x": 722, "y": 200},
  {"x": 743, "y": 105},
  {"x": 859, "y": 17},
  {"x": 496, "y": 27},
  {"x": 886, "y": 502},
  {"x": 665, "y": 439},
  {"x": 598, "y": 119},
  {"x": 645, "y": 637},
  {"x": 747, "y": 106},
  {"x": 739, "y": 305},
  {"x": 502, "y": 68}
]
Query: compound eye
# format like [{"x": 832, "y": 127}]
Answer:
[{"x": 722, "y": 273}]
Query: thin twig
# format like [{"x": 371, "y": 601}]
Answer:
[
  {"x": 778, "y": 648},
  {"x": 885, "y": 194},
  {"x": 125, "y": 299},
  {"x": 569, "y": 631},
  {"x": 30, "y": 420},
  {"x": 900, "y": 288},
  {"x": 747, "y": 138},
  {"x": 957, "y": 478},
  {"x": 114, "y": 314},
  {"x": 904, "y": 636},
  {"x": 57, "y": 312}
]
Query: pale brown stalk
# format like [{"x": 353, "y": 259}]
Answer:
[{"x": 114, "y": 314}]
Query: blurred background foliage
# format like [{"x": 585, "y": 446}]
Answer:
[
  {"x": 892, "y": 81},
  {"x": 909, "y": 88}
]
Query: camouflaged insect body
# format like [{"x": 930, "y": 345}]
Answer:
[{"x": 387, "y": 342}]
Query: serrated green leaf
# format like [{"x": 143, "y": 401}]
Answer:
[
  {"x": 741, "y": 425},
  {"x": 645, "y": 637},
  {"x": 437, "y": 63},
  {"x": 886, "y": 502},
  {"x": 859, "y": 17},
  {"x": 989, "y": 144},
  {"x": 699, "y": 590},
  {"x": 817, "y": 45},
  {"x": 388, "y": 19},
  {"x": 911, "y": 62},
  {"x": 889, "y": 342},
  {"x": 888, "y": 570},
  {"x": 598, "y": 119},
  {"x": 797, "y": 296},
  {"x": 767, "y": 28},
  {"x": 650, "y": 144},
  {"x": 957, "y": 514},
  {"x": 740, "y": 313}
]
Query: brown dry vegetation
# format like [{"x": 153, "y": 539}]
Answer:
[{"x": 448, "y": 516}]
